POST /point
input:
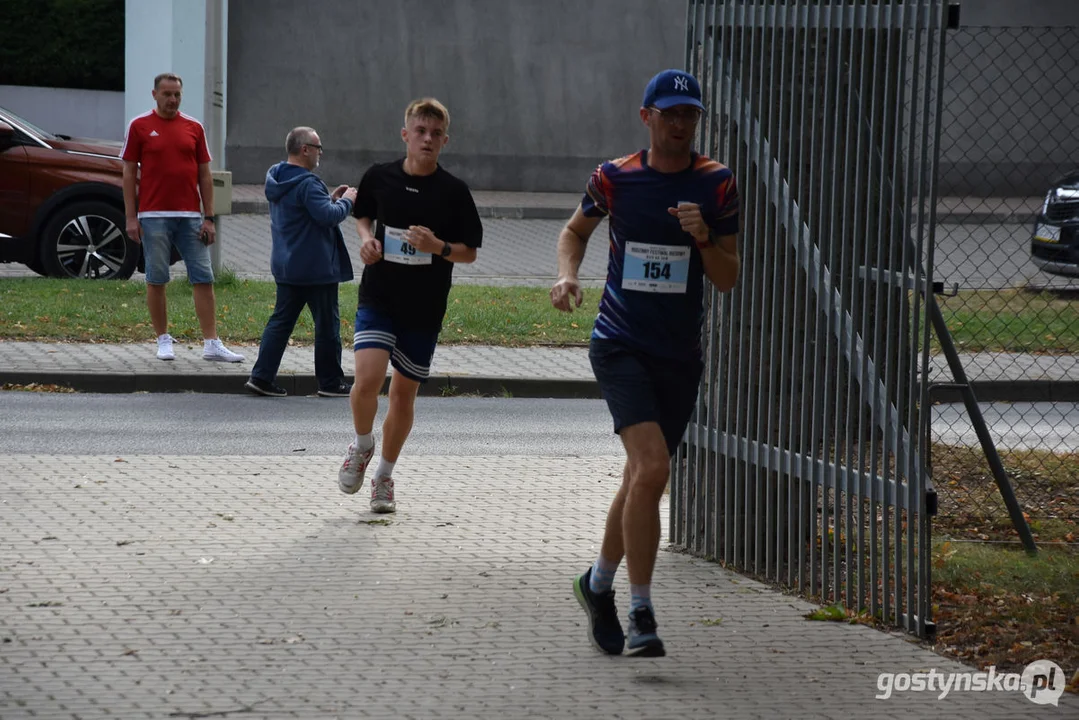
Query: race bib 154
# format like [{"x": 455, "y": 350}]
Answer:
[{"x": 655, "y": 268}]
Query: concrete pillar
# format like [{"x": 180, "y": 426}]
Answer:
[
  {"x": 186, "y": 37},
  {"x": 189, "y": 38}
]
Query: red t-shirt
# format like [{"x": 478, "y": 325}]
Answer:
[{"x": 169, "y": 152}]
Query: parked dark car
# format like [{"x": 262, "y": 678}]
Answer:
[
  {"x": 1055, "y": 245},
  {"x": 61, "y": 203}
]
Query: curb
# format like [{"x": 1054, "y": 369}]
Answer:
[
  {"x": 1012, "y": 391},
  {"x": 299, "y": 385},
  {"x": 456, "y": 385},
  {"x": 262, "y": 207}
]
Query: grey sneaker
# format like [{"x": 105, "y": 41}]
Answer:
[
  {"x": 382, "y": 495},
  {"x": 350, "y": 476}
]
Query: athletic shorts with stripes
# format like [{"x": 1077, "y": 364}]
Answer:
[{"x": 410, "y": 349}]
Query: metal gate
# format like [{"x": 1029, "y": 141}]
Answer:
[{"x": 804, "y": 462}]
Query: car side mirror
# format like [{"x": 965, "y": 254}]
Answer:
[{"x": 7, "y": 134}]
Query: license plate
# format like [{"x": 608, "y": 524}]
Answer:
[{"x": 1047, "y": 233}]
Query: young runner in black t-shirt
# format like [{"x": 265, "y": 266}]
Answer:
[{"x": 414, "y": 220}]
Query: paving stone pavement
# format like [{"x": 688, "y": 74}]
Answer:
[
  {"x": 455, "y": 360},
  {"x": 134, "y": 367},
  {"x": 514, "y": 252},
  {"x": 200, "y": 587},
  {"x": 489, "y": 203}
]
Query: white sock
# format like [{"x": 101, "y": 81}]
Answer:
[
  {"x": 208, "y": 342},
  {"x": 364, "y": 442},
  {"x": 385, "y": 468},
  {"x": 163, "y": 337}
]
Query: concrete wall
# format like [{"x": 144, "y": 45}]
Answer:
[
  {"x": 78, "y": 113},
  {"x": 539, "y": 91},
  {"x": 1008, "y": 126},
  {"x": 1018, "y": 13}
]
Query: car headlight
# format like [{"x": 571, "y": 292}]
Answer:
[{"x": 1062, "y": 205}]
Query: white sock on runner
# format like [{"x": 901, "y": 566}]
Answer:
[{"x": 385, "y": 468}]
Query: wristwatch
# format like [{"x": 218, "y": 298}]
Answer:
[
  {"x": 446, "y": 249},
  {"x": 211, "y": 218}
]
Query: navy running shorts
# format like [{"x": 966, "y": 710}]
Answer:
[
  {"x": 411, "y": 349},
  {"x": 639, "y": 387}
]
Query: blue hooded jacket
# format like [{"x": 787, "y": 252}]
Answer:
[{"x": 308, "y": 246}]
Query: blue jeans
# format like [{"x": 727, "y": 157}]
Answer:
[
  {"x": 322, "y": 300},
  {"x": 160, "y": 234}
]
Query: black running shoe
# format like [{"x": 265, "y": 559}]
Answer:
[
  {"x": 261, "y": 387},
  {"x": 342, "y": 389},
  {"x": 604, "y": 629},
  {"x": 643, "y": 641}
]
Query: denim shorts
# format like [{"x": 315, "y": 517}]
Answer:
[
  {"x": 411, "y": 349},
  {"x": 644, "y": 388},
  {"x": 160, "y": 234}
]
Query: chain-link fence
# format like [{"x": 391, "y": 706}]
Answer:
[{"x": 1010, "y": 134}]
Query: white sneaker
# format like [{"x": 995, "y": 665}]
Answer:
[
  {"x": 350, "y": 476},
  {"x": 382, "y": 495},
  {"x": 164, "y": 347},
  {"x": 214, "y": 350}
]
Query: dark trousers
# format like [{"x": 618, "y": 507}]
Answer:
[{"x": 322, "y": 299}]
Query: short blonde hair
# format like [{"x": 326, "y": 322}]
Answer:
[{"x": 428, "y": 108}]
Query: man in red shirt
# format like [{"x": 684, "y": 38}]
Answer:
[{"x": 167, "y": 167}]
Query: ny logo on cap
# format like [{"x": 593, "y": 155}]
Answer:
[{"x": 680, "y": 83}]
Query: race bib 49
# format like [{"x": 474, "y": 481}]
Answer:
[{"x": 396, "y": 249}]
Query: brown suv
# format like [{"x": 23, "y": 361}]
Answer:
[{"x": 61, "y": 204}]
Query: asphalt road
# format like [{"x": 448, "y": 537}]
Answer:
[
  {"x": 193, "y": 424},
  {"x": 1013, "y": 426},
  {"x": 197, "y": 425}
]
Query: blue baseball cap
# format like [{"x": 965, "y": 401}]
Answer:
[{"x": 670, "y": 88}]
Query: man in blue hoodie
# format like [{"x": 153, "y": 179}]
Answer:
[{"x": 308, "y": 260}]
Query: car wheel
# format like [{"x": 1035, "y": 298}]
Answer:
[{"x": 87, "y": 240}]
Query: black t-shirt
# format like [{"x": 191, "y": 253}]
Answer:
[{"x": 412, "y": 287}]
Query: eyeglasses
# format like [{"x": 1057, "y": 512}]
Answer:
[
  {"x": 689, "y": 116},
  {"x": 317, "y": 147}
]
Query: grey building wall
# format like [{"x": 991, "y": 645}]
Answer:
[
  {"x": 64, "y": 111},
  {"x": 1009, "y": 106},
  {"x": 539, "y": 91}
]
